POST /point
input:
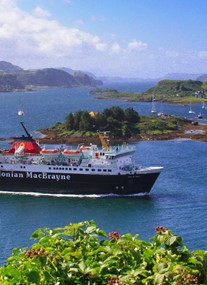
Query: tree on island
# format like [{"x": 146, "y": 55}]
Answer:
[{"x": 116, "y": 120}]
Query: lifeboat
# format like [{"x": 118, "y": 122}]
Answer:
[
  {"x": 50, "y": 153},
  {"x": 84, "y": 147},
  {"x": 71, "y": 152}
]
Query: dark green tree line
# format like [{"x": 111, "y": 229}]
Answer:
[{"x": 116, "y": 120}]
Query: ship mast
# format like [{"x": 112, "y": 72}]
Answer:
[{"x": 26, "y": 131}]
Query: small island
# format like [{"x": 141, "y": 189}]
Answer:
[{"x": 123, "y": 125}]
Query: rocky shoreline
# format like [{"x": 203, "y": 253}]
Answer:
[{"x": 189, "y": 131}]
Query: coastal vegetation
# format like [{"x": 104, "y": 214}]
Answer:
[
  {"x": 84, "y": 254},
  {"x": 119, "y": 122},
  {"x": 170, "y": 91}
]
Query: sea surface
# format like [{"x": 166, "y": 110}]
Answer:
[{"x": 178, "y": 199}]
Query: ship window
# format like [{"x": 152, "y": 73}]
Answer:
[
  {"x": 69, "y": 168},
  {"x": 104, "y": 170},
  {"x": 93, "y": 169},
  {"x": 99, "y": 170},
  {"x": 81, "y": 169},
  {"x": 49, "y": 167},
  {"x": 87, "y": 169},
  {"x": 74, "y": 168},
  {"x": 109, "y": 170}
]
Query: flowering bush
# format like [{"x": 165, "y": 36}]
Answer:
[{"x": 83, "y": 254}]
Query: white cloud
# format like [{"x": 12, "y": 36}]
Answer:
[
  {"x": 116, "y": 48},
  {"x": 39, "y": 12},
  {"x": 8, "y": 3},
  {"x": 137, "y": 45},
  {"x": 39, "y": 35},
  {"x": 36, "y": 40}
]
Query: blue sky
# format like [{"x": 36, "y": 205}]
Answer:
[{"x": 127, "y": 38}]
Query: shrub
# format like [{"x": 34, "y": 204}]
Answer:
[{"x": 84, "y": 254}]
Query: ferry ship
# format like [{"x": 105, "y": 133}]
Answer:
[{"x": 87, "y": 170}]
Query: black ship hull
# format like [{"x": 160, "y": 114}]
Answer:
[{"x": 77, "y": 184}]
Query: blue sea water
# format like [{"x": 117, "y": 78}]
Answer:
[{"x": 178, "y": 199}]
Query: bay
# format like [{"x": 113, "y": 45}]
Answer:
[{"x": 178, "y": 199}]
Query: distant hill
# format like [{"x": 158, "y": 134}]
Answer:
[
  {"x": 83, "y": 76},
  {"x": 169, "y": 76},
  {"x": 85, "y": 79},
  {"x": 173, "y": 88},
  {"x": 14, "y": 78},
  {"x": 202, "y": 77},
  {"x": 117, "y": 79},
  {"x": 72, "y": 71},
  {"x": 9, "y": 67},
  {"x": 181, "y": 76},
  {"x": 47, "y": 77}
]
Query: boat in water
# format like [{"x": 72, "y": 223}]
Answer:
[
  {"x": 87, "y": 170},
  {"x": 200, "y": 116},
  {"x": 153, "y": 109},
  {"x": 191, "y": 111}
]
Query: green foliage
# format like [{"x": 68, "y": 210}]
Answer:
[
  {"x": 84, "y": 254},
  {"x": 121, "y": 123},
  {"x": 157, "y": 125},
  {"x": 116, "y": 120}
]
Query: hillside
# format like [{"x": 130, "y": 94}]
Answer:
[
  {"x": 177, "y": 88},
  {"x": 14, "y": 78},
  {"x": 8, "y": 67},
  {"x": 202, "y": 77},
  {"x": 171, "y": 91}
]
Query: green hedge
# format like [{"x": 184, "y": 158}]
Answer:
[{"x": 84, "y": 254}]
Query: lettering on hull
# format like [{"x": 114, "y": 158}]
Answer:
[{"x": 34, "y": 175}]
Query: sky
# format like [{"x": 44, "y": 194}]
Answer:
[{"x": 125, "y": 38}]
